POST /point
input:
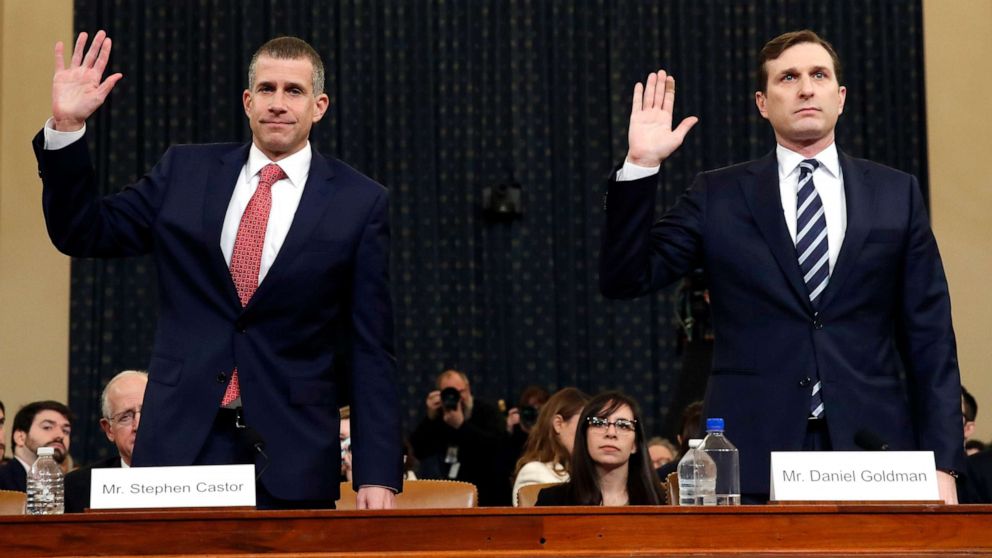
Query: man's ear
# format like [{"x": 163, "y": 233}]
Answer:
[
  {"x": 760, "y": 101},
  {"x": 246, "y": 101},
  {"x": 323, "y": 102},
  {"x": 105, "y": 426},
  {"x": 19, "y": 437},
  {"x": 843, "y": 99}
]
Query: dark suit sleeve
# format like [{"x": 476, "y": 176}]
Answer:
[
  {"x": 637, "y": 256},
  {"x": 377, "y": 445},
  {"x": 83, "y": 224},
  {"x": 927, "y": 340}
]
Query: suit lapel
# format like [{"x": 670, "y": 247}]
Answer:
[
  {"x": 221, "y": 178},
  {"x": 860, "y": 202},
  {"x": 316, "y": 198},
  {"x": 761, "y": 190}
]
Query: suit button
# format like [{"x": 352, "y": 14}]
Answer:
[
  {"x": 240, "y": 326},
  {"x": 817, "y": 323},
  {"x": 221, "y": 377},
  {"x": 805, "y": 382}
]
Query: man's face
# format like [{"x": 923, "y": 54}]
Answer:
[
  {"x": 281, "y": 106},
  {"x": 125, "y": 397},
  {"x": 49, "y": 429},
  {"x": 660, "y": 455},
  {"x": 802, "y": 100},
  {"x": 969, "y": 425}
]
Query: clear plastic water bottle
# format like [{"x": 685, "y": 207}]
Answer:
[
  {"x": 45, "y": 485},
  {"x": 728, "y": 470},
  {"x": 697, "y": 477}
]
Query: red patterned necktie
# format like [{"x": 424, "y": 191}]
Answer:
[{"x": 247, "y": 255}]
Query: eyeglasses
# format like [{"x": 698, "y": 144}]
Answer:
[
  {"x": 125, "y": 418},
  {"x": 622, "y": 425}
]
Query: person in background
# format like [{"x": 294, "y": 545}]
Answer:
[
  {"x": 610, "y": 465},
  {"x": 120, "y": 405},
  {"x": 3, "y": 422},
  {"x": 662, "y": 451},
  {"x": 38, "y": 424},
  {"x": 549, "y": 447},
  {"x": 690, "y": 426},
  {"x": 463, "y": 438}
]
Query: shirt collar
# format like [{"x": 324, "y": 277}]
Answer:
[
  {"x": 788, "y": 160},
  {"x": 296, "y": 166}
]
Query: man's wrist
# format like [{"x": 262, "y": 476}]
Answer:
[{"x": 67, "y": 125}]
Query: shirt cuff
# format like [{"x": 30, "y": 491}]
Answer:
[
  {"x": 55, "y": 139},
  {"x": 630, "y": 171}
]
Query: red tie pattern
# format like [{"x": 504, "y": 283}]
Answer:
[{"x": 246, "y": 259}]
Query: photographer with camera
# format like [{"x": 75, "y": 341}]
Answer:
[{"x": 462, "y": 438}]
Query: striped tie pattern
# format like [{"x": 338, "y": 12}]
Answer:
[{"x": 812, "y": 248}]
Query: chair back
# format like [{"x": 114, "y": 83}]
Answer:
[
  {"x": 672, "y": 488},
  {"x": 527, "y": 494},
  {"x": 12, "y": 502},
  {"x": 422, "y": 494}
]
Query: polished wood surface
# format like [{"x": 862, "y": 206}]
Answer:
[{"x": 828, "y": 530}]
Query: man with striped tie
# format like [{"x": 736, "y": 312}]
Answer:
[{"x": 830, "y": 305}]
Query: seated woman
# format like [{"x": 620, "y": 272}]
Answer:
[
  {"x": 610, "y": 463},
  {"x": 549, "y": 445}
]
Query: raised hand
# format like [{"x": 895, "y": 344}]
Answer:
[
  {"x": 77, "y": 91},
  {"x": 650, "y": 137}
]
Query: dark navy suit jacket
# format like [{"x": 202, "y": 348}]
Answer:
[
  {"x": 13, "y": 476},
  {"x": 881, "y": 341},
  {"x": 328, "y": 284}
]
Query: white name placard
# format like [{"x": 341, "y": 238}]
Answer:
[
  {"x": 853, "y": 475},
  {"x": 201, "y": 486}
]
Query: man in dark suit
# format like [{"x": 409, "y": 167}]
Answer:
[
  {"x": 120, "y": 405},
  {"x": 271, "y": 258},
  {"x": 38, "y": 424},
  {"x": 825, "y": 280}
]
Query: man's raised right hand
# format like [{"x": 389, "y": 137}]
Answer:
[{"x": 77, "y": 91}]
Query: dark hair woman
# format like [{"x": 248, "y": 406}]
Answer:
[
  {"x": 610, "y": 462},
  {"x": 549, "y": 446}
]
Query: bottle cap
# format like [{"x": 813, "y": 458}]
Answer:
[
  {"x": 694, "y": 443},
  {"x": 46, "y": 451},
  {"x": 714, "y": 424}
]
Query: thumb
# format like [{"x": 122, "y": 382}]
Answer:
[{"x": 686, "y": 125}]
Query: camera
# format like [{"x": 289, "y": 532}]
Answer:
[
  {"x": 528, "y": 416},
  {"x": 450, "y": 397}
]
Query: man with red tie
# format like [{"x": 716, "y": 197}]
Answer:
[{"x": 269, "y": 256}]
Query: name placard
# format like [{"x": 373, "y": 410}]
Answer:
[
  {"x": 201, "y": 486},
  {"x": 853, "y": 475}
]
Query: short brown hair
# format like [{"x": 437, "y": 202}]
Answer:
[
  {"x": 290, "y": 48},
  {"x": 775, "y": 47}
]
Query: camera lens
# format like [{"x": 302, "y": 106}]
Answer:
[{"x": 450, "y": 398}]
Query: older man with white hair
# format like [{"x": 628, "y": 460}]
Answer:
[{"x": 121, "y": 408}]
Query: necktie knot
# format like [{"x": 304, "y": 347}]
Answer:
[
  {"x": 807, "y": 166},
  {"x": 270, "y": 174}
]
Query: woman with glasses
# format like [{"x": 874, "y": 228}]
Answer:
[
  {"x": 610, "y": 461},
  {"x": 549, "y": 446}
]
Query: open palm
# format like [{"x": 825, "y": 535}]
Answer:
[
  {"x": 650, "y": 137},
  {"x": 77, "y": 91}
]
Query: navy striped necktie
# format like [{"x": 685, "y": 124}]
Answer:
[{"x": 813, "y": 251}]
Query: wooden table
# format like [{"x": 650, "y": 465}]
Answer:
[{"x": 806, "y": 530}]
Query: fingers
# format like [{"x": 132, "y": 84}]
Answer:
[
  {"x": 108, "y": 85},
  {"x": 95, "y": 47},
  {"x": 103, "y": 57},
  {"x": 686, "y": 125},
  {"x": 650, "y": 87},
  {"x": 635, "y": 104},
  {"x": 660, "y": 90},
  {"x": 59, "y": 60},
  {"x": 667, "y": 103},
  {"x": 77, "y": 52}
]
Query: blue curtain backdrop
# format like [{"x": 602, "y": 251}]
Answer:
[{"x": 438, "y": 99}]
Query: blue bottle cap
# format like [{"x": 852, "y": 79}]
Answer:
[{"x": 714, "y": 424}]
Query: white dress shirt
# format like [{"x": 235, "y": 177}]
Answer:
[
  {"x": 827, "y": 179},
  {"x": 286, "y": 195}
]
